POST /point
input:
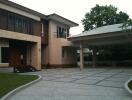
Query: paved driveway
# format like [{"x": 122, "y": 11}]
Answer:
[{"x": 73, "y": 84}]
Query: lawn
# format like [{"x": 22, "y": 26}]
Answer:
[
  {"x": 130, "y": 84},
  {"x": 10, "y": 81}
]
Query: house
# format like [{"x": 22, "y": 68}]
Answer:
[{"x": 28, "y": 37}]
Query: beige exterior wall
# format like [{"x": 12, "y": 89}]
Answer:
[
  {"x": 4, "y": 64},
  {"x": 70, "y": 56},
  {"x": 35, "y": 45},
  {"x": 36, "y": 55},
  {"x": 56, "y": 45},
  {"x": 45, "y": 55}
]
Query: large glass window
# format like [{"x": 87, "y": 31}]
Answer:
[
  {"x": 11, "y": 23},
  {"x": 4, "y": 54},
  {"x": 62, "y": 32},
  {"x": 3, "y": 20},
  {"x": 14, "y": 22}
]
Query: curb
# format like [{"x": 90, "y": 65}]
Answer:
[
  {"x": 126, "y": 86},
  {"x": 11, "y": 93}
]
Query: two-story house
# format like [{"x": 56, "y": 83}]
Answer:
[{"x": 28, "y": 37}]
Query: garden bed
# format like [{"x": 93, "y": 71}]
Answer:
[
  {"x": 10, "y": 81},
  {"x": 128, "y": 86}
]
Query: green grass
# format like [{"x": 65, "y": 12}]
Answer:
[
  {"x": 130, "y": 84},
  {"x": 10, "y": 81}
]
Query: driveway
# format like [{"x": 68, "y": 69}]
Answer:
[{"x": 73, "y": 84}]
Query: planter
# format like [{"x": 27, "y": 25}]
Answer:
[{"x": 127, "y": 87}]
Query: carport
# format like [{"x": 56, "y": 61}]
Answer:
[{"x": 106, "y": 35}]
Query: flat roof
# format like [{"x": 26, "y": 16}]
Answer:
[
  {"x": 12, "y": 4},
  {"x": 46, "y": 17},
  {"x": 61, "y": 19}
]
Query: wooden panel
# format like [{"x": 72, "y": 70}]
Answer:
[
  {"x": 16, "y": 51},
  {"x": 36, "y": 28},
  {"x": 44, "y": 39},
  {"x": 14, "y": 58}
]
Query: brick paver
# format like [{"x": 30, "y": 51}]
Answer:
[{"x": 73, "y": 84}]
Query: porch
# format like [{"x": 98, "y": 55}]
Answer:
[{"x": 21, "y": 49}]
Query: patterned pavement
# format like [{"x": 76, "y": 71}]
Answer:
[{"x": 73, "y": 84}]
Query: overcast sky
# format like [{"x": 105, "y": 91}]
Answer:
[{"x": 73, "y": 9}]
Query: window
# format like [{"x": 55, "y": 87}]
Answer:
[
  {"x": 62, "y": 32},
  {"x": 18, "y": 24},
  {"x": 14, "y": 22},
  {"x": 24, "y": 26},
  {"x": 11, "y": 23},
  {"x": 4, "y": 54},
  {"x": 3, "y": 20}
]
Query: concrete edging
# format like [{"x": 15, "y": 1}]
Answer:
[
  {"x": 11, "y": 93},
  {"x": 126, "y": 86}
]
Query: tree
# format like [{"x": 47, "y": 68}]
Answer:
[{"x": 103, "y": 15}]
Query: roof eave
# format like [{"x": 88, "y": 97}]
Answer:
[
  {"x": 62, "y": 20},
  {"x": 79, "y": 38},
  {"x": 15, "y": 5}
]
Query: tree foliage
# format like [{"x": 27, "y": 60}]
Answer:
[{"x": 103, "y": 15}]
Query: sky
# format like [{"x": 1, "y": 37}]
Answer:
[{"x": 74, "y": 10}]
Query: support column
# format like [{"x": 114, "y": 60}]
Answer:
[
  {"x": 36, "y": 55},
  {"x": 94, "y": 57},
  {"x": 81, "y": 57}
]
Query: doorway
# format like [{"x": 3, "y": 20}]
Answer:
[{"x": 18, "y": 54}]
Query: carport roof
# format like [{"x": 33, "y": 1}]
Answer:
[
  {"x": 100, "y": 30},
  {"x": 105, "y": 35}
]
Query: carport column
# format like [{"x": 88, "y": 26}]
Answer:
[
  {"x": 81, "y": 56},
  {"x": 94, "y": 57}
]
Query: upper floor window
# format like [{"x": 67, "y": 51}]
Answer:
[
  {"x": 14, "y": 22},
  {"x": 19, "y": 24},
  {"x": 62, "y": 32},
  {"x": 11, "y": 23}
]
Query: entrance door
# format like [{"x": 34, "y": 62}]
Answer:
[{"x": 17, "y": 54}]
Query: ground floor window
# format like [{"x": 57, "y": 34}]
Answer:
[{"x": 4, "y": 54}]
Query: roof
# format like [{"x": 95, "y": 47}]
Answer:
[
  {"x": 12, "y": 4},
  {"x": 62, "y": 20},
  {"x": 101, "y": 30},
  {"x": 105, "y": 35},
  {"x": 54, "y": 16}
]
